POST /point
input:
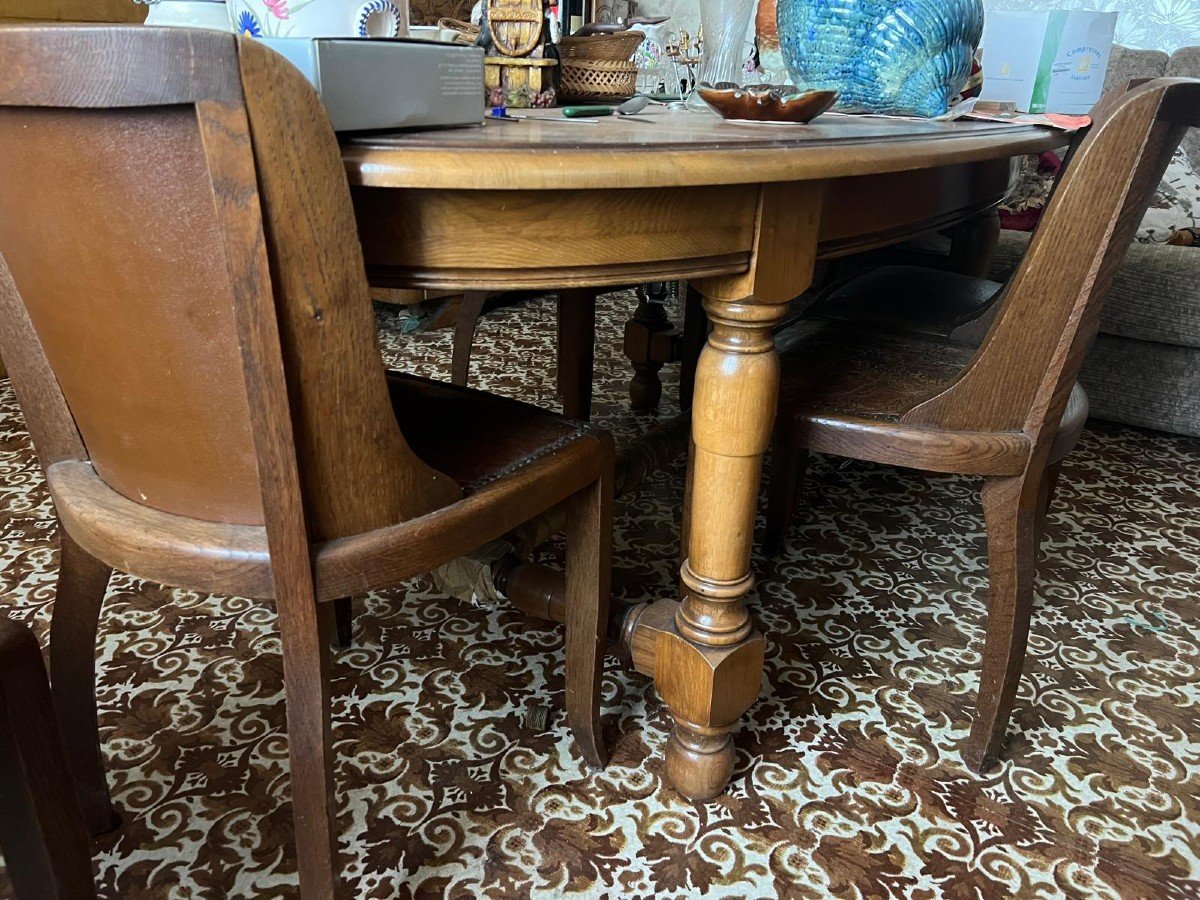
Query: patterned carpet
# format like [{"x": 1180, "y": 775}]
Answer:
[{"x": 848, "y": 779}]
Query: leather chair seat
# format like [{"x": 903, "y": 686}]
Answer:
[{"x": 475, "y": 437}]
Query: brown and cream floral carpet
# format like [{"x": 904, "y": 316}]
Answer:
[{"x": 848, "y": 780}]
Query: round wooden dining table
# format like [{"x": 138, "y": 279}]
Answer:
[{"x": 743, "y": 212}]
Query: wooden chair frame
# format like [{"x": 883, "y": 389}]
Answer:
[
  {"x": 1015, "y": 409},
  {"x": 346, "y": 505}
]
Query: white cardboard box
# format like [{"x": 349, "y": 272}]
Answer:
[
  {"x": 1051, "y": 61},
  {"x": 377, "y": 83}
]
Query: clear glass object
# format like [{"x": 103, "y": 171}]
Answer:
[{"x": 725, "y": 24}]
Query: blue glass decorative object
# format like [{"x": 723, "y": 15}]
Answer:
[{"x": 899, "y": 56}]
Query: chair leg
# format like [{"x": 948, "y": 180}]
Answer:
[
  {"x": 685, "y": 518},
  {"x": 1049, "y": 489},
  {"x": 306, "y": 663},
  {"x": 576, "y": 351},
  {"x": 695, "y": 335},
  {"x": 470, "y": 308},
  {"x": 1011, "y": 510},
  {"x": 589, "y": 573},
  {"x": 82, "y": 582},
  {"x": 1050, "y": 484},
  {"x": 343, "y": 620},
  {"x": 42, "y": 835},
  {"x": 788, "y": 465}
]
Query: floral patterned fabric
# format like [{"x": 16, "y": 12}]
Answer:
[
  {"x": 848, "y": 780},
  {"x": 1150, "y": 24}
]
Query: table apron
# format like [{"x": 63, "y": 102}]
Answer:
[{"x": 541, "y": 240}]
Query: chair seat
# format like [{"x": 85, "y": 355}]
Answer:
[
  {"x": 476, "y": 437},
  {"x": 838, "y": 371},
  {"x": 832, "y": 366}
]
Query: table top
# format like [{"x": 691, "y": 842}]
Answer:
[{"x": 674, "y": 148}]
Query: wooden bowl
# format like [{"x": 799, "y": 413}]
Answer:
[{"x": 766, "y": 102}]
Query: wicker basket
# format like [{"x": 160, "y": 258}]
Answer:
[
  {"x": 464, "y": 32},
  {"x": 597, "y": 67},
  {"x": 608, "y": 47}
]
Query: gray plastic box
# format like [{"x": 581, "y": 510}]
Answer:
[{"x": 373, "y": 83}]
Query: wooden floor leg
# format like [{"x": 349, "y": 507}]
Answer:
[
  {"x": 42, "y": 834},
  {"x": 576, "y": 351},
  {"x": 708, "y": 668},
  {"x": 695, "y": 333},
  {"x": 306, "y": 662},
  {"x": 470, "y": 308},
  {"x": 1011, "y": 508},
  {"x": 589, "y": 570},
  {"x": 788, "y": 465},
  {"x": 82, "y": 582}
]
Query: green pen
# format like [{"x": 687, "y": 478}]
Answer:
[{"x": 581, "y": 112}]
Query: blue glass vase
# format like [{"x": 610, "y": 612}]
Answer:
[{"x": 899, "y": 56}]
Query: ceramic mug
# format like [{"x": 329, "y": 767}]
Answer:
[{"x": 319, "y": 18}]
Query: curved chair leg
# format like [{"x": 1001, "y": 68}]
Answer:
[
  {"x": 306, "y": 689},
  {"x": 589, "y": 571},
  {"x": 788, "y": 464},
  {"x": 470, "y": 308},
  {"x": 82, "y": 582},
  {"x": 343, "y": 620},
  {"x": 1046, "y": 495},
  {"x": 1050, "y": 485},
  {"x": 1012, "y": 509}
]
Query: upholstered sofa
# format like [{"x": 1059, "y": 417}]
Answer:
[{"x": 1144, "y": 368}]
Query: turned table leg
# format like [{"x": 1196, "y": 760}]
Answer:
[
  {"x": 708, "y": 668},
  {"x": 708, "y": 661}
]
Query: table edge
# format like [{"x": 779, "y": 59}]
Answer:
[{"x": 483, "y": 168}]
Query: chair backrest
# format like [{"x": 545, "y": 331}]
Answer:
[
  {"x": 182, "y": 293},
  {"x": 1025, "y": 368}
]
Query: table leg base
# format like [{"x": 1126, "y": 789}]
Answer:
[{"x": 699, "y": 761}]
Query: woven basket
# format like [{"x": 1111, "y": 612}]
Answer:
[
  {"x": 465, "y": 32},
  {"x": 606, "y": 47},
  {"x": 597, "y": 80},
  {"x": 597, "y": 67}
]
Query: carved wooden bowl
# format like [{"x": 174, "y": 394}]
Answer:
[{"x": 766, "y": 102}]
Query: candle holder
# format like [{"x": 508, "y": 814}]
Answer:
[{"x": 683, "y": 50}]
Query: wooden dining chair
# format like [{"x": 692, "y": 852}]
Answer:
[
  {"x": 1009, "y": 409},
  {"x": 185, "y": 319},
  {"x": 575, "y": 321}
]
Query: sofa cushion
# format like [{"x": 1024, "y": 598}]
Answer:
[
  {"x": 1126, "y": 64},
  {"x": 1155, "y": 295},
  {"x": 1185, "y": 63},
  {"x": 1143, "y": 383},
  {"x": 1176, "y": 203}
]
